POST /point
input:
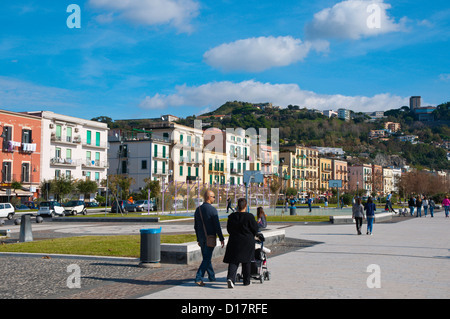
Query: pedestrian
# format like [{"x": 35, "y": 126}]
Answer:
[
  {"x": 309, "y": 203},
  {"x": 418, "y": 206},
  {"x": 358, "y": 214},
  {"x": 206, "y": 223},
  {"x": 432, "y": 205},
  {"x": 286, "y": 205},
  {"x": 389, "y": 203},
  {"x": 425, "y": 206},
  {"x": 370, "y": 209},
  {"x": 229, "y": 205},
  {"x": 411, "y": 204},
  {"x": 446, "y": 205},
  {"x": 342, "y": 202},
  {"x": 242, "y": 228},
  {"x": 261, "y": 218},
  {"x": 326, "y": 202}
]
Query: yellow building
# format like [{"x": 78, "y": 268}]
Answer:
[
  {"x": 215, "y": 167},
  {"x": 325, "y": 172}
]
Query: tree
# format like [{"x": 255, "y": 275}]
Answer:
[
  {"x": 119, "y": 184},
  {"x": 61, "y": 186},
  {"x": 86, "y": 187}
]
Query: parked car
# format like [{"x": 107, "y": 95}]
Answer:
[
  {"x": 143, "y": 205},
  {"x": 30, "y": 205},
  {"x": 75, "y": 207},
  {"x": 22, "y": 207},
  {"x": 124, "y": 206},
  {"x": 51, "y": 208},
  {"x": 7, "y": 210},
  {"x": 91, "y": 204}
]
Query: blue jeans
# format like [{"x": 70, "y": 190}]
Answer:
[
  {"x": 447, "y": 209},
  {"x": 419, "y": 212},
  {"x": 206, "y": 265},
  {"x": 370, "y": 224},
  {"x": 425, "y": 210},
  {"x": 411, "y": 210},
  {"x": 431, "y": 210}
]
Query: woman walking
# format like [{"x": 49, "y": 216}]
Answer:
[
  {"x": 358, "y": 214},
  {"x": 425, "y": 206},
  {"x": 242, "y": 228},
  {"x": 370, "y": 215},
  {"x": 446, "y": 205},
  {"x": 432, "y": 205},
  {"x": 419, "y": 206}
]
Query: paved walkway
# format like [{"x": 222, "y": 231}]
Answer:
[{"x": 413, "y": 258}]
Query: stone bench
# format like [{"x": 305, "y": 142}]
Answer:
[{"x": 347, "y": 219}]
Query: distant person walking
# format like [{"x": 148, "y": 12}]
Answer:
[
  {"x": 206, "y": 222},
  {"x": 229, "y": 205},
  {"x": 370, "y": 209},
  {"x": 418, "y": 206},
  {"x": 358, "y": 214},
  {"x": 389, "y": 203},
  {"x": 446, "y": 205},
  {"x": 425, "y": 206},
  {"x": 432, "y": 205},
  {"x": 242, "y": 228},
  {"x": 261, "y": 218},
  {"x": 411, "y": 204},
  {"x": 309, "y": 203}
]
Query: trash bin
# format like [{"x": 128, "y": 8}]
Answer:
[
  {"x": 150, "y": 246},
  {"x": 292, "y": 211},
  {"x": 26, "y": 233}
]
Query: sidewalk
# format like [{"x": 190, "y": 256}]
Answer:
[{"x": 413, "y": 258}]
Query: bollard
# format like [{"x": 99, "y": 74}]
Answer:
[
  {"x": 292, "y": 211},
  {"x": 25, "y": 229},
  {"x": 150, "y": 247}
]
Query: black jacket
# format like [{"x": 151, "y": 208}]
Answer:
[
  {"x": 211, "y": 220},
  {"x": 242, "y": 228}
]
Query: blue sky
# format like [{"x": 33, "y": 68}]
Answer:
[{"x": 145, "y": 58}]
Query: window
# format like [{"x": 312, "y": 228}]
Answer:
[
  {"x": 196, "y": 171},
  {"x": 97, "y": 138},
  {"x": 164, "y": 152},
  {"x": 69, "y": 134},
  {"x": 68, "y": 153},
  {"x": 58, "y": 132},
  {"x": 25, "y": 172},
  {"x": 6, "y": 171},
  {"x": 88, "y": 156},
  {"x": 58, "y": 152},
  {"x": 163, "y": 167},
  {"x": 88, "y": 137},
  {"x": 57, "y": 173},
  {"x": 144, "y": 164},
  {"x": 97, "y": 177},
  {"x": 68, "y": 174},
  {"x": 97, "y": 158},
  {"x": 26, "y": 136},
  {"x": 181, "y": 170},
  {"x": 7, "y": 131},
  {"x": 155, "y": 150},
  {"x": 189, "y": 171},
  {"x": 155, "y": 167},
  {"x": 88, "y": 176}
]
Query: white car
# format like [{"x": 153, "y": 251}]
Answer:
[
  {"x": 7, "y": 210},
  {"x": 50, "y": 208},
  {"x": 75, "y": 207}
]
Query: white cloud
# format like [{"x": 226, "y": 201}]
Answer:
[
  {"x": 444, "y": 77},
  {"x": 353, "y": 19},
  {"x": 215, "y": 94},
  {"x": 177, "y": 13},
  {"x": 259, "y": 54}
]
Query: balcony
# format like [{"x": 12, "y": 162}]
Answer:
[
  {"x": 95, "y": 164},
  {"x": 64, "y": 162},
  {"x": 67, "y": 140}
]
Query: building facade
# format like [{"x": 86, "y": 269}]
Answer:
[
  {"x": 20, "y": 155},
  {"x": 360, "y": 178},
  {"x": 74, "y": 147}
]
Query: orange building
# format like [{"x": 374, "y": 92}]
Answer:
[{"x": 20, "y": 155}]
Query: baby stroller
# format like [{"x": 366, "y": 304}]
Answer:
[{"x": 258, "y": 266}]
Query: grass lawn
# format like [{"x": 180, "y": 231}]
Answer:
[
  {"x": 116, "y": 246},
  {"x": 295, "y": 218},
  {"x": 129, "y": 215}
]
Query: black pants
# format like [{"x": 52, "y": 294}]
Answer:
[
  {"x": 232, "y": 270},
  {"x": 358, "y": 221}
]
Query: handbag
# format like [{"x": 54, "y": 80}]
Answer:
[{"x": 211, "y": 240}]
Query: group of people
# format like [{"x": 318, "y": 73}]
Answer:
[
  {"x": 358, "y": 210},
  {"x": 419, "y": 202},
  {"x": 242, "y": 228}
]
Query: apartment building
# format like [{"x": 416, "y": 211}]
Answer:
[
  {"x": 325, "y": 172},
  {"x": 20, "y": 155},
  {"x": 388, "y": 180},
  {"x": 74, "y": 147},
  {"x": 360, "y": 178},
  {"x": 141, "y": 156},
  {"x": 186, "y": 149},
  {"x": 240, "y": 156},
  {"x": 303, "y": 167},
  {"x": 340, "y": 172}
]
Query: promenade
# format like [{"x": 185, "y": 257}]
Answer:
[{"x": 412, "y": 256}]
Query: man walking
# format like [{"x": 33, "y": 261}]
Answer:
[
  {"x": 389, "y": 203},
  {"x": 206, "y": 218}
]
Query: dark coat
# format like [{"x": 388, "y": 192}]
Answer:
[
  {"x": 211, "y": 220},
  {"x": 242, "y": 228}
]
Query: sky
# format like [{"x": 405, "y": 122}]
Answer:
[{"x": 130, "y": 59}]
